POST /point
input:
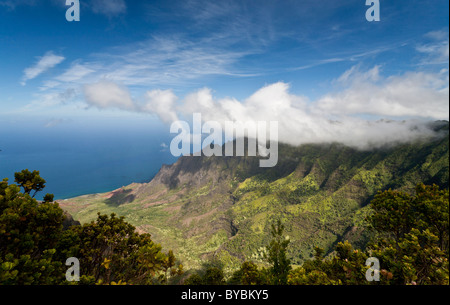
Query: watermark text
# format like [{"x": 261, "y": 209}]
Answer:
[
  {"x": 73, "y": 13},
  {"x": 257, "y": 134}
]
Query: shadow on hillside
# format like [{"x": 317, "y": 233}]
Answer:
[{"x": 120, "y": 197}]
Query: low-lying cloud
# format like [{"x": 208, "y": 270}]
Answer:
[
  {"x": 364, "y": 111},
  {"x": 414, "y": 94}
]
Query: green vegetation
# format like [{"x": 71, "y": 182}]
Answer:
[
  {"x": 411, "y": 244},
  {"x": 34, "y": 246},
  {"x": 410, "y": 241},
  {"x": 276, "y": 256},
  {"x": 30, "y": 181},
  {"x": 223, "y": 208}
]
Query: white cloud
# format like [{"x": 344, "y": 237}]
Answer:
[
  {"x": 405, "y": 102},
  {"x": 336, "y": 117},
  {"x": 75, "y": 73},
  {"x": 160, "y": 61},
  {"x": 364, "y": 110},
  {"x": 436, "y": 51},
  {"x": 50, "y": 100},
  {"x": 169, "y": 61},
  {"x": 46, "y": 62},
  {"x": 301, "y": 121},
  {"x": 49, "y": 84},
  {"x": 161, "y": 102},
  {"x": 414, "y": 94},
  {"x": 106, "y": 94}
]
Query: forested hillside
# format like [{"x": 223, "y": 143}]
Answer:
[{"x": 223, "y": 207}]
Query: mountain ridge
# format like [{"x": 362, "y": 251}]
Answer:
[{"x": 203, "y": 207}]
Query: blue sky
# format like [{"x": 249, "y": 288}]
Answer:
[{"x": 159, "y": 60}]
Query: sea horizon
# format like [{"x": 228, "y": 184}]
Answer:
[{"x": 78, "y": 161}]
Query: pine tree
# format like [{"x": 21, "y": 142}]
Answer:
[
  {"x": 30, "y": 181},
  {"x": 277, "y": 256}
]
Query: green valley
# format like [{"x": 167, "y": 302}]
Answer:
[{"x": 223, "y": 207}]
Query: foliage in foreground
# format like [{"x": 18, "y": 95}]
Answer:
[{"x": 34, "y": 246}]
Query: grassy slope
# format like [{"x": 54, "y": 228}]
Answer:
[{"x": 223, "y": 207}]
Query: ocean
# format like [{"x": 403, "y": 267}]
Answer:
[{"x": 78, "y": 160}]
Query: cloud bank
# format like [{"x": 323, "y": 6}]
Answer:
[{"x": 366, "y": 110}]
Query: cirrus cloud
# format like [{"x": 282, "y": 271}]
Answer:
[{"x": 46, "y": 62}]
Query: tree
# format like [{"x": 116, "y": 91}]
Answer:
[
  {"x": 34, "y": 244},
  {"x": 194, "y": 279},
  {"x": 248, "y": 274},
  {"x": 213, "y": 276},
  {"x": 211, "y": 273},
  {"x": 49, "y": 198},
  {"x": 393, "y": 214},
  {"x": 413, "y": 243},
  {"x": 30, "y": 181},
  {"x": 112, "y": 251},
  {"x": 347, "y": 267},
  {"x": 29, "y": 234},
  {"x": 303, "y": 276},
  {"x": 276, "y": 255},
  {"x": 433, "y": 212}
]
